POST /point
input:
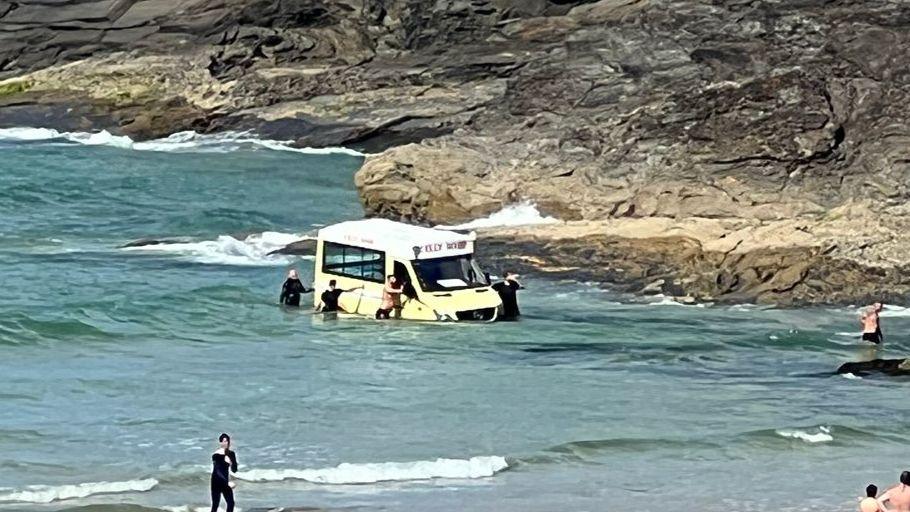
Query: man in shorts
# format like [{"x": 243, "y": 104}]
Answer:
[{"x": 872, "y": 329}]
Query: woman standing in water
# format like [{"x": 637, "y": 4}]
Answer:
[
  {"x": 291, "y": 290},
  {"x": 223, "y": 460}
]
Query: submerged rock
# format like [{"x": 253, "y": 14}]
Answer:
[
  {"x": 885, "y": 366},
  {"x": 144, "y": 242}
]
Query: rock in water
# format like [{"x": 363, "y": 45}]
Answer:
[
  {"x": 299, "y": 248},
  {"x": 773, "y": 134},
  {"x": 886, "y": 366},
  {"x": 144, "y": 242}
]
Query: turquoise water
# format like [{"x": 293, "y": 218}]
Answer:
[{"x": 118, "y": 368}]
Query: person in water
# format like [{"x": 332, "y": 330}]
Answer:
[
  {"x": 898, "y": 497},
  {"x": 223, "y": 460},
  {"x": 869, "y": 503},
  {"x": 872, "y": 329},
  {"x": 391, "y": 298},
  {"x": 508, "y": 293},
  {"x": 330, "y": 297},
  {"x": 291, "y": 290}
]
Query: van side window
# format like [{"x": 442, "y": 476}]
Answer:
[{"x": 356, "y": 262}]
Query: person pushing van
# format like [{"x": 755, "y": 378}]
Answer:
[
  {"x": 508, "y": 293},
  {"x": 391, "y": 298},
  {"x": 329, "y": 298}
]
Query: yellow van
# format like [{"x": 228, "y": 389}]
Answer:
[{"x": 442, "y": 279}]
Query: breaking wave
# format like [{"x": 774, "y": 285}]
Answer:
[
  {"x": 180, "y": 142},
  {"x": 254, "y": 250},
  {"x": 520, "y": 214},
  {"x": 346, "y": 473},
  {"x": 820, "y": 435},
  {"x": 51, "y": 493}
]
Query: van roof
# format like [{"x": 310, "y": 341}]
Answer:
[{"x": 398, "y": 239}]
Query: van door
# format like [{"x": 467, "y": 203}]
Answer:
[{"x": 403, "y": 276}]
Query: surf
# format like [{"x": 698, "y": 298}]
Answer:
[
  {"x": 368, "y": 473},
  {"x": 257, "y": 249},
  {"x": 180, "y": 142},
  {"x": 519, "y": 214},
  {"x": 52, "y": 493}
]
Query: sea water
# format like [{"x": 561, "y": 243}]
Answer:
[{"x": 119, "y": 367}]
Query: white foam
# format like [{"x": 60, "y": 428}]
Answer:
[
  {"x": 662, "y": 300},
  {"x": 822, "y": 436},
  {"x": 48, "y": 493},
  {"x": 226, "y": 250},
  {"x": 224, "y": 142},
  {"x": 180, "y": 142},
  {"x": 475, "y": 467},
  {"x": 28, "y": 134},
  {"x": 888, "y": 310},
  {"x": 520, "y": 214},
  {"x": 850, "y": 376},
  {"x": 892, "y": 311}
]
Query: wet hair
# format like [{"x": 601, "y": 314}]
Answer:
[
  {"x": 871, "y": 491},
  {"x": 905, "y": 478},
  {"x": 224, "y": 437},
  {"x": 332, "y": 282}
]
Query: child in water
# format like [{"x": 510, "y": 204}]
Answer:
[{"x": 869, "y": 503}]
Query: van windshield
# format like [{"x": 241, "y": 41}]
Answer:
[{"x": 452, "y": 273}]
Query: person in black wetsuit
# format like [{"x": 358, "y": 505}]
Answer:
[
  {"x": 508, "y": 293},
  {"x": 330, "y": 297},
  {"x": 291, "y": 290},
  {"x": 223, "y": 460}
]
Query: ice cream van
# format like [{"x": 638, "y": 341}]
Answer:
[{"x": 441, "y": 278}]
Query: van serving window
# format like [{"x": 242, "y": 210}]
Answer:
[{"x": 356, "y": 262}]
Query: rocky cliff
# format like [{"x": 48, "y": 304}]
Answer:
[{"x": 731, "y": 150}]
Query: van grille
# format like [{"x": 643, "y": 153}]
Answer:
[{"x": 483, "y": 314}]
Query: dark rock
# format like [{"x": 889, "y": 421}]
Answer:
[
  {"x": 299, "y": 248},
  {"x": 893, "y": 367},
  {"x": 143, "y": 242}
]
